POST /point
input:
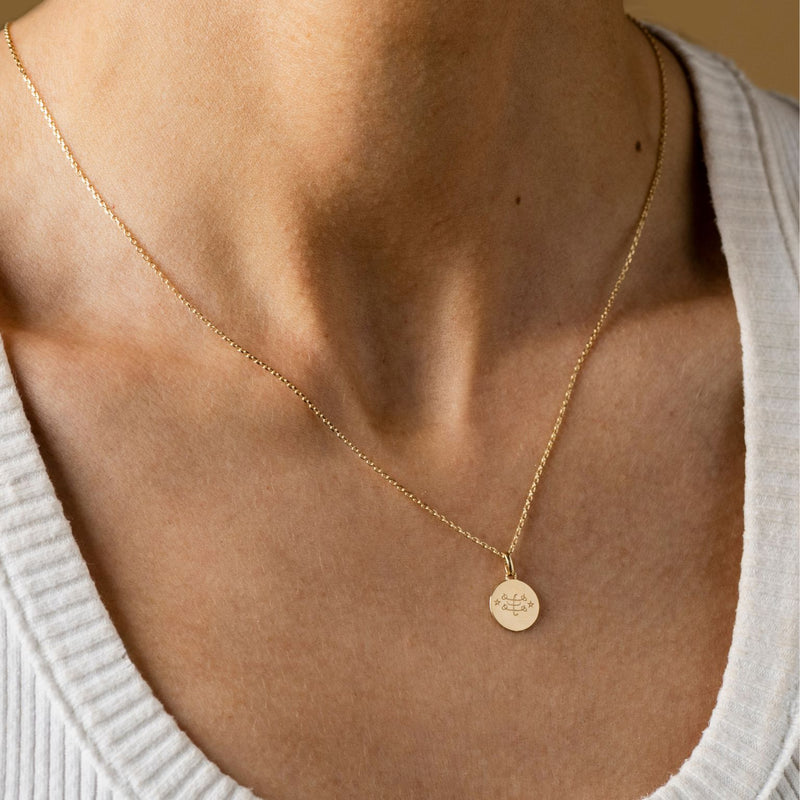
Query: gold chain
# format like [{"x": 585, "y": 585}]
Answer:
[{"x": 311, "y": 405}]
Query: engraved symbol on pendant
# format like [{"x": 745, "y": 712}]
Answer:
[{"x": 514, "y": 604}]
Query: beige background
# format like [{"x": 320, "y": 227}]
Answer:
[{"x": 761, "y": 37}]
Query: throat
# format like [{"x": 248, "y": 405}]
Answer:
[{"x": 389, "y": 205}]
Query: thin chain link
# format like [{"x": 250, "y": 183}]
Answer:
[{"x": 311, "y": 405}]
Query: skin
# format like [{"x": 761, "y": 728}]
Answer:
[{"x": 416, "y": 211}]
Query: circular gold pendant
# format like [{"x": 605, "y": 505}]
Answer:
[{"x": 514, "y": 604}]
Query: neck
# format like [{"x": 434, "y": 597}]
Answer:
[{"x": 407, "y": 188}]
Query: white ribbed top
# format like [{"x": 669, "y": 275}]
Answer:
[{"x": 77, "y": 720}]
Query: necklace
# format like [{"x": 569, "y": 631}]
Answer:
[{"x": 513, "y": 603}]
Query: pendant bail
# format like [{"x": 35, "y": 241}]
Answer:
[{"x": 509, "y": 564}]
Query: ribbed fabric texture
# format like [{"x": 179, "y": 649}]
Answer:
[{"x": 78, "y": 721}]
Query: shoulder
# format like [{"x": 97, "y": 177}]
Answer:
[
  {"x": 727, "y": 97},
  {"x": 750, "y": 147},
  {"x": 36, "y": 216},
  {"x": 14, "y": 210},
  {"x": 776, "y": 118}
]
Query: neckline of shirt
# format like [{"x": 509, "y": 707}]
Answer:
[{"x": 140, "y": 749}]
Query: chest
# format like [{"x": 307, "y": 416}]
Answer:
[{"x": 317, "y": 635}]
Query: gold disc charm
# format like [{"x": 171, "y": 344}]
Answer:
[{"x": 513, "y": 603}]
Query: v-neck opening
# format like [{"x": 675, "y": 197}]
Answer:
[{"x": 139, "y": 747}]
